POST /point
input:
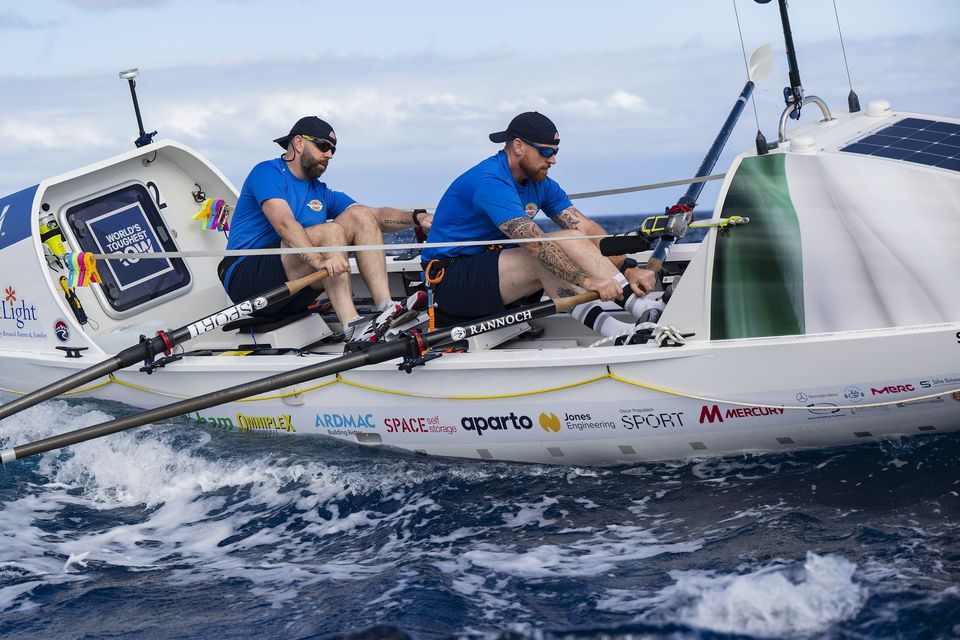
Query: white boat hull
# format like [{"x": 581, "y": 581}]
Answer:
[{"x": 592, "y": 409}]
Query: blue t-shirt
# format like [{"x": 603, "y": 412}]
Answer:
[
  {"x": 311, "y": 201},
  {"x": 482, "y": 199}
]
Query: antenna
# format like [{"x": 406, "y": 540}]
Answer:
[
  {"x": 129, "y": 75},
  {"x": 792, "y": 95}
]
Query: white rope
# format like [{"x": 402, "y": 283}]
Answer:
[
  {"x": 219, "y": 253},
  {"x": 612, "y": 192},
  {"x": 646, "y": 187},
  {"x": 405, "y": 246},
  {"x": 216, "y": 253},
  {"x": 663, "y": 334}
]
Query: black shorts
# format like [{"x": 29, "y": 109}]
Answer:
[
  {"x": 470, "y": 287},
  {"x": 250, "y": 276}
]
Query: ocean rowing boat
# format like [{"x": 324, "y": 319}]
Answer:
[{"x": 824, "y": 321}]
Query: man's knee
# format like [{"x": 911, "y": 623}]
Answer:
[
  {"x": 327, "y": 234},
  {"x": 357, "y": 218}
]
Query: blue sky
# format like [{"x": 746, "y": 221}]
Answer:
[{"x": 637, "y": 89}]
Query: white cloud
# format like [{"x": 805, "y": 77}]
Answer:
[
  {"x": 621, "y": 99},
  {"x": 55, "y": 136}
]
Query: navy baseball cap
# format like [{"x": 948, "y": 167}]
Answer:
[
  {"x": 531, "y": 126},
  {"x": 310, "y": 126}
]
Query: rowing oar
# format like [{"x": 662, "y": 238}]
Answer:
[
  {"x": 163, "y": 342},
  {"x": 680, "y": 216},
  {"x": 408, "y": 345}
]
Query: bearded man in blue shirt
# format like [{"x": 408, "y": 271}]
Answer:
[
  {"x": 498, "y": 199},
  {"x": 283, "y": 204}
]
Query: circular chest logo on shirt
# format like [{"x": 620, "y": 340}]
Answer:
[
  {"x": 315, "y": 205},
  {"x": 531, "y": 209}
]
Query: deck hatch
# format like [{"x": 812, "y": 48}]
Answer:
[{"x": 127, "y": 220}]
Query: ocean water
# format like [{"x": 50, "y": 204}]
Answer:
[{"x": 175, "y": 531}]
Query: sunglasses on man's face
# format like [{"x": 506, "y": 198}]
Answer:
[
  {"x": 323, "y": 145},
  {"x": 546, "y": 152}
]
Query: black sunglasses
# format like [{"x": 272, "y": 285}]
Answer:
[
  {"x": 323, "y": 145},
  {"x": 546, "y": 152}
]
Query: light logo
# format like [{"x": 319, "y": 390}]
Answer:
[{"x": 549, "y": 422}]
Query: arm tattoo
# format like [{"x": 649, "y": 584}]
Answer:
[
  {"x": 569, "y": 218},
  {"x": 550, "y": 253},
  {"x": 566, "y": 292}
]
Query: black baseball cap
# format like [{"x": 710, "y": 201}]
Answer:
[
  {"x": 530, "y": 125},
  {"x": 309, "y": 126}
]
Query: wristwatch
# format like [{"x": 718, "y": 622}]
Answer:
[
  {"x": 628, "y": 263},
  {"x": 416, "y": 216}
]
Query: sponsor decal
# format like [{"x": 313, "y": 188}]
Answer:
[
  {"x": 479, "y": 424},
  {"x": 458, "y": 333},
  {"x": 823, "y": 409},
  {"x": 61, "y": 330},
  {"x": 3, "y": 217},
  {"x": 649, "y": 419},
  {"x": 549, "y": 422},
  {"x": 417, "y": 424},
  {"x": 346, "y": 421},
  {"x": 584, "y": 421},
  {"x": 315, "y": 205},
  {"x": 854, "y": 394},
  {"x": 531, "y": 209},
  {"x": 713, "y": 414},
  {"x": 222, "y": 423},
  {"x": 132, "y": 239},
  {"x": 210, "y": 323},
  {"x": 20, "y": 312},
  {"x": 259, "y": 303},
  {"x": 504, "y": 321},
  {"x": 939, "y": 382},
  {"x": 892, "y": 388},
  {"x": 805, "y": 397},
  {"x": 128, "y": 230},
  {"x": 265, "y": 423}
]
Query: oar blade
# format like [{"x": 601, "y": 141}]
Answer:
[{"x": 760, "y": 64}]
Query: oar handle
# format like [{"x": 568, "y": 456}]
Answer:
[
  {"x": 566, "y": 304},
  {"x": 298, "y": 285}
]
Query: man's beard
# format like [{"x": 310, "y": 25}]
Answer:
[
  {"x": 312, "y": 168},
  {"x": 533, "y": 172}
]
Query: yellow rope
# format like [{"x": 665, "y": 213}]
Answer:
[
  {"x": 483, "y": 397},
  {"x": 610, "y": 375},
  {"x": 65, "y": 393},
  {"x": 291, "y": 393},
  {"x": 868, "y": 405}
]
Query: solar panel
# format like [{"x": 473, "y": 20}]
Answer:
[{"x": 936, "y": 144}]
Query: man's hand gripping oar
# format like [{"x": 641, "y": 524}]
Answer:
[
  {"x": 410, "y": 346},
  {"x": 163, "y": 342}
]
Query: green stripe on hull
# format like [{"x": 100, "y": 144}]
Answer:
[{"x": 758, "y": 268}]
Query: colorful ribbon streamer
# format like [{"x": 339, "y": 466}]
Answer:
[
  {"x": 82, "y": 269},
  {"x": 214, "y": 214}
]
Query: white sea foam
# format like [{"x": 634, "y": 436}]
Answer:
[
  {"x": 182, "y": 507},
  {"x": 778, "y": 601}
]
